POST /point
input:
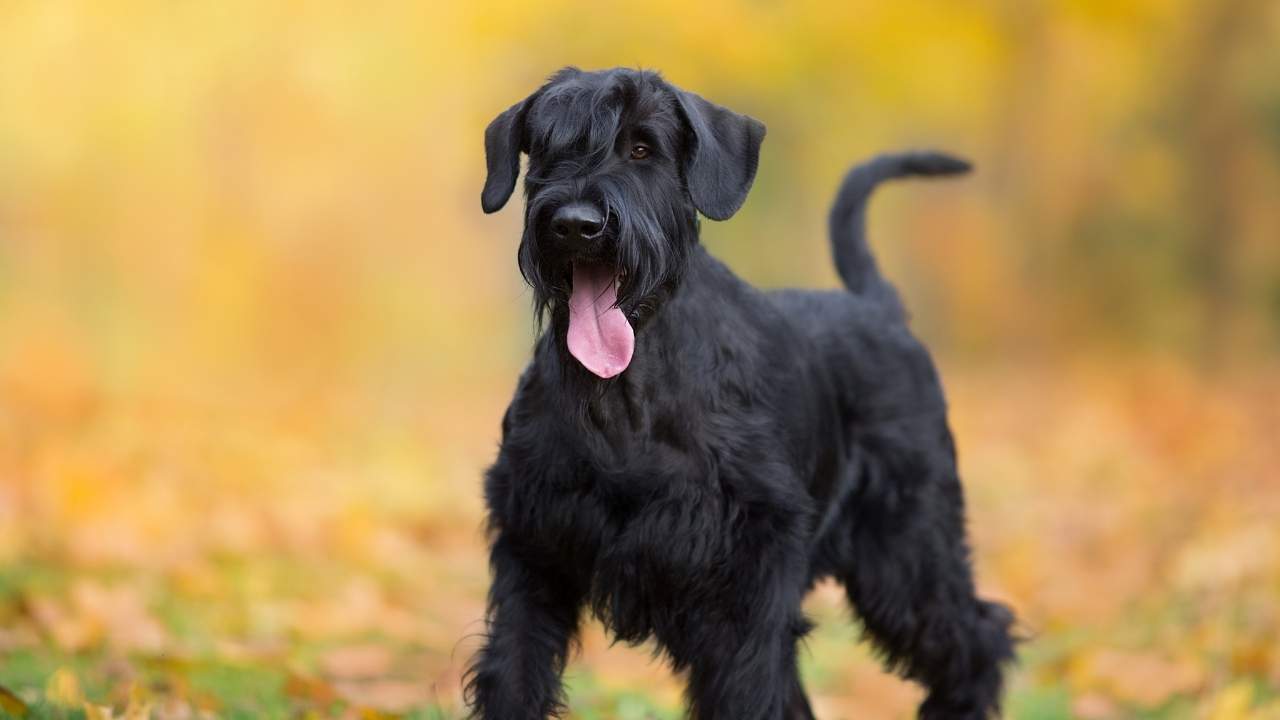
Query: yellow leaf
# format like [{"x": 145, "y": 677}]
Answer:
[
  {"x": 1233, "y": 702},
  {"x": 12, "y": 704},
  {"x": 139, "y": 707},
  {"x": 97, "y": 712},
  {"x": 63, "y": 689}
]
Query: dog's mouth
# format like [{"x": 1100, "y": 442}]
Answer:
[{"x": 600, "y": 337}]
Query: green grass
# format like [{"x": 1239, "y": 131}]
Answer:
[{"x": 282, "y": 673}]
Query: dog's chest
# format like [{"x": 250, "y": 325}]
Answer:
[{"x": 658, "y": 561}]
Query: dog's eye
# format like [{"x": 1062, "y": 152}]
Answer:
[{"x": 639, "y": 152}]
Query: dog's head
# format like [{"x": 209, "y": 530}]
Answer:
[{"x": 620, "y": 163}]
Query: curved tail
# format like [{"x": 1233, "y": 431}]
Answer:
[{"x": 848, "y": 221}]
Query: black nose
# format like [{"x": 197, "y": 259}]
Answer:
[{"x": 576, "y": 221}]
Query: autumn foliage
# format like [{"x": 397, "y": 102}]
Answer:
[{"x": 256, "y": 335}]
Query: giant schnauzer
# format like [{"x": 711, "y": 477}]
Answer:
[{"x": 687, "y": 455}]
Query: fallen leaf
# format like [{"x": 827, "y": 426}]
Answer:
[
  {"x": 358, "y": 661},
  {"x": 141, "y": 711},
  {"x": 311, "y": 690},
  {"x": 68, "y": 630},
  {"x": 97, "y": 712},
  {"x": 63, "y": 689},
  {"x": 1233, "y": 702},
  {"x": 1143, "y": 678},
  {"x": 1094, "y": 707},
  {"x": 385, "y": 695},
  {"x": 12, "y": 704},
  {"x": 121, "y": 614},
  {"x": 139, "y": 707}
]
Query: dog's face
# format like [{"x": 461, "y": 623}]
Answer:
[{"x": 620, "y": 163}]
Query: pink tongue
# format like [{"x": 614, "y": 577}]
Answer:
[{"x": 599, "y": 335}]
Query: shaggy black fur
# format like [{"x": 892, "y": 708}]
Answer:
[{"x": 758, "y": 441}]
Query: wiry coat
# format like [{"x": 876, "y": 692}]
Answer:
[{"x": 756, "y": 442}]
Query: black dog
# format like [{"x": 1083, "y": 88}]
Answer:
[{"x": 687, "y": 455}]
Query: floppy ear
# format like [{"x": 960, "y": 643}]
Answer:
[
  {"x": 503, "y": 143},
  {"x": 723, "y": 155}
]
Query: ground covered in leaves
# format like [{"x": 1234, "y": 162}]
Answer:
[
  {"x": 303, "y": 557},
  {"x": 256, "y": 335}
]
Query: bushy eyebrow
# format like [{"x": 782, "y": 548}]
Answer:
[
  {"x": 587, "y": 122},
  {"x": 655, "y": 134}
]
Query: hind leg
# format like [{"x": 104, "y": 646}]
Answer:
[{"x": 907, "y": 572}]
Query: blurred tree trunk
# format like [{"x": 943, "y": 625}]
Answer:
[
  {"x": 1211, "y": 130},
  {"x": 1016, "y": 153}
]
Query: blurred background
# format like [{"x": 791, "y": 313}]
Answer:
[{"x": 256, "y": 335}]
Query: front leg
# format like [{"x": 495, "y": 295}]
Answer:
[
  {"x": 749, "y": 672},
  {"x": 743, "y": 663},
  {"x": 532, "y": 619}
]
